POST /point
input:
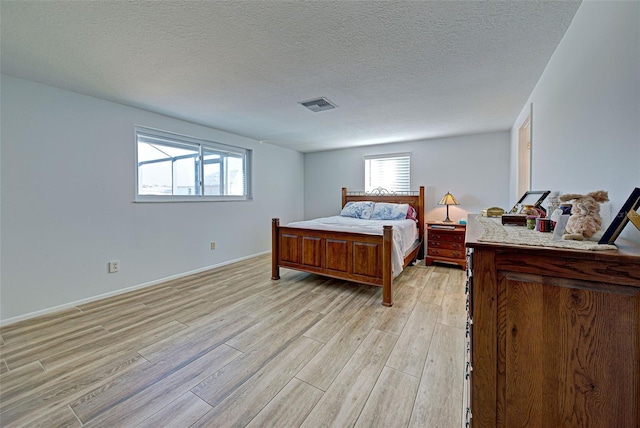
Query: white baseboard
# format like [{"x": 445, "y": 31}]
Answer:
[{"x": 121, "y": 291}]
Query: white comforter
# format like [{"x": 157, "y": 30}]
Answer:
[{"x": 405, "y": 232}]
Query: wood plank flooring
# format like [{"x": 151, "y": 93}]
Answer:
[{"x": 231, "y": 348}]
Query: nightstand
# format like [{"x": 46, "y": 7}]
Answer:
[{"x": 445, "y": 243}]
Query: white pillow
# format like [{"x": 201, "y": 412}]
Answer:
[
  {"x": 387, "y": 211},
  {"x": 360, "y": 210}
]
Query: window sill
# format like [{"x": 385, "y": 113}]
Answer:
[{"x": 171, "y": 199}]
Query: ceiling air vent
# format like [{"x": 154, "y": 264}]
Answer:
[{"x": 318, "y": 104}]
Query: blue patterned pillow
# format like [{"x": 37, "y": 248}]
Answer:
[
  {"x": 386, "y": 211},
  {"x": 358, "y": 210}
]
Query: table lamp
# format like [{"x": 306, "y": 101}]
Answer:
[{"x": 447, "y": 200}]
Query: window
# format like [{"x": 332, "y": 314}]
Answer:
[
  {"x": 391, "y": 172},
  {"x": 173, "y": 167}
]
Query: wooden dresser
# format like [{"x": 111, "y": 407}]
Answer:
[
  {"x": 554, "y": 335},
  {"x": 445, "y": 243}
]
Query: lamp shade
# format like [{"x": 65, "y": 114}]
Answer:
[{"x": 448, "y": 199}]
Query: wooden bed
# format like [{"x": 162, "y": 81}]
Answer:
[{"x": 358, "y": 257}]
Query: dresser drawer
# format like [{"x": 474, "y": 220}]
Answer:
[
  {"x": 454, "y": 254},
  {"x": 447, "y": 245}
]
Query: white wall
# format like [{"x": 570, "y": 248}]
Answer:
[
  {"x": 67, "y": 202},
  {"x": 586, "y": 108},
  {"x": 474, "y": 168}
]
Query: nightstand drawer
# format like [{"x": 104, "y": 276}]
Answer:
[
  {"x": 447, "y": 253},
  {"x": 453, "y": 236},
  {"x": 447, "y": 245}
]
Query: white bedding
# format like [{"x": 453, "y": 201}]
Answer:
[{"x": 405, "y": 232}]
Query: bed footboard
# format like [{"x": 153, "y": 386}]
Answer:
[{"x": 361, "y": 258}]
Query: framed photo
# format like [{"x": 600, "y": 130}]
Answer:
[
  {"x": 629, "y": 210},
  {"x": 531, "y": 198}
]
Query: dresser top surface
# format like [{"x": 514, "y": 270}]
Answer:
[{"x": 627, "y": 250}]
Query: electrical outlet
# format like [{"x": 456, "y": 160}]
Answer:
[
  {"x": 213, "y": 246},
  {"x": 114, "y": 266}
]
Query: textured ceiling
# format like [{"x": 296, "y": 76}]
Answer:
[{"x": 398, "y": 70}]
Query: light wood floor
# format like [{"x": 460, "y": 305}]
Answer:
[{"x": 231, "y": 347}]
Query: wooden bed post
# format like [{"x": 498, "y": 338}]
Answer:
[
  {"x": 275, "y": 269},
  {"x": 344, "y": 196},
  {"x": 387, "y": 269}
]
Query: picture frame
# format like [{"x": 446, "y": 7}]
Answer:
[
  {"x": 531, "y": 197},
  {"x": 628, "y": 210}
]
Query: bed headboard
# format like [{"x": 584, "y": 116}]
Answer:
[{"x": 414, "y": 198}]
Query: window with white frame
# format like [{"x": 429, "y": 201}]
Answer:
[
  {"x": 171, "y": 167},
  {"x": 391, "y": 172}
]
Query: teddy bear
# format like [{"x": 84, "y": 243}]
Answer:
[{"x": 585, "y": 218}]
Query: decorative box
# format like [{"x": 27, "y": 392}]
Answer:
[{"x": 516, "y": 219}]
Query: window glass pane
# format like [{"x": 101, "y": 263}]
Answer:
[
  {"x": 212, "y": 173},
  {"x": 235, "y": 175},
  {"x": 155, "y": 179},
  {"x": 185, "y": 175},
  {"x": 166, "y": 170}
]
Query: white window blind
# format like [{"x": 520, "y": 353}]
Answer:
[{"x": 391, "y": 172}]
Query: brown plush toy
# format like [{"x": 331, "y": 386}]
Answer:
[{"x": 585, "y": 218}]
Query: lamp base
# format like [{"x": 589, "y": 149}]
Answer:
[{"x": 447, "y": 220}]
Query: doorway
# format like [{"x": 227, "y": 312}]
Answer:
[{"x": 524, "y": 156}]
